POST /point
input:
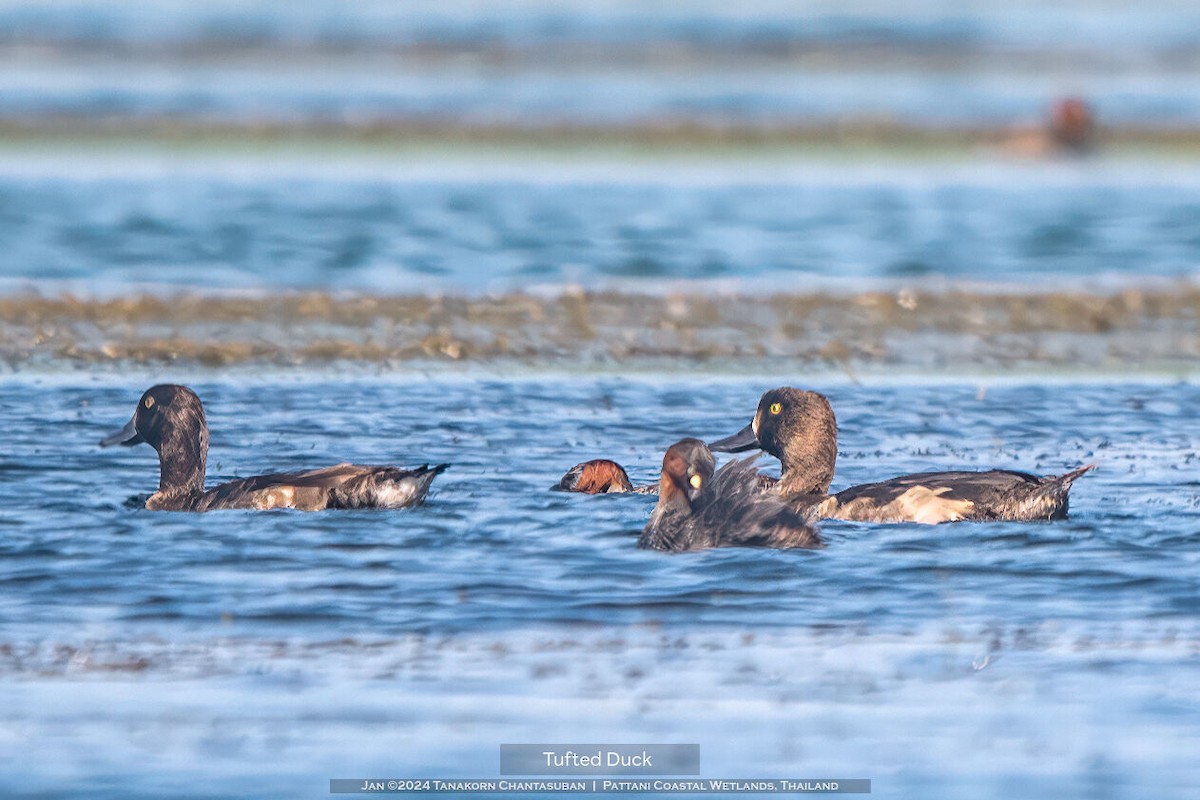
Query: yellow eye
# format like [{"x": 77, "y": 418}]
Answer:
[
  {"x": 149, "y": 402},
  {"x": 776, "y": 408},
  {"x": 695, "y": 481}
]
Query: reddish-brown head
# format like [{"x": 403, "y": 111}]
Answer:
[
  {"x": 1072, "y": 123},
  {"x": 688, "y": 466},
  {"x": 597, "y": 476}
]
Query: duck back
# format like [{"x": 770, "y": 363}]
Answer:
[
  {"x": 934, "y": 497},
  {"x": 343, "y": 486},
  {"x": 733, "y": 511}
]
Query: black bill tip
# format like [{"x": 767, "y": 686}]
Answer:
[
  {"x": 738, "y": 443},
  {"x": 127, "y": 436}
]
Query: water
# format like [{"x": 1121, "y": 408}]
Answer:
[
  {"x": 232, "y": 654},
  {"x": 262, "y": 653},
  {"x": 610, "y": 63},
  {"x": 1023, "y": 226},
  {"x": 512, "y": 237}
]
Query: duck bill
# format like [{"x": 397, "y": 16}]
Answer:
[
  {"x": 743, "y": 440},
  {"x": 127, "y": 436}
]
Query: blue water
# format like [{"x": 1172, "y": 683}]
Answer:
[
  {"x": 241, "y": 654},
  {"x": 1027, "y": 227},
  {"x": 260, "y": 654},
  {"x": 601, "y": 96},
  {"x": 535, "y": 63}
]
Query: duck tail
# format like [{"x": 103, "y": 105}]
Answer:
[
  {"x": 408, "y": 487},
  {"x": 1066, "y": 479},
  {"x": 424, "y": 476},
  {"x": 438, "y": 469},
  {"x": 386, "y": 487},
  {"x": 1051, "y": 499}
]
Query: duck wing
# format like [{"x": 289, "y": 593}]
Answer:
[
  {"x": 733, "y": 511},
  {"x": 934, "y": 497},
  {"x": 339, "y": 486},
  {"x": 740, "y": 513}
]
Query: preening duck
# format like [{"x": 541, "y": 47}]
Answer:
[
  {"x": 799, "y": 428},
  {"x": 699, "y": 508},
  {"x": 170, "y": 419}
]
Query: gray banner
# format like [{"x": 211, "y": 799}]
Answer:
[
  {"x": 599, "y": 759},
  {"x": 427, "y": 786}
]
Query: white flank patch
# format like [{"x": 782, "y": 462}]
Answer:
[{"x": 396, "y": 494}]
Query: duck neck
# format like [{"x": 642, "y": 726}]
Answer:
[
  {"x": 667, "y": 529},
  {"x": 181, "y": 465},
  {"x": 671, "y": 500},
  {"x": 809, "y": 460},
  {"x": 806, "y": 479}
]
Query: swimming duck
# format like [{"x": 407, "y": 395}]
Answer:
[
  {"x": 600, "y": 476},
  {"x": 798, "y": 427},
  {"x": 171, "y": 420},
  {"x": 699, "y": 508}
]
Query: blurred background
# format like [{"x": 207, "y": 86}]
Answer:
[
  {"x": 458, "y": 145},
  {"x": 511, "y": 236},
  {"x": 916, "y": 72},
  {"x": 462, "y": 148}
]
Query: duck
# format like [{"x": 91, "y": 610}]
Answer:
[
  {"x": 600, "y": 476},
  {"x": 1069, "y": 129},
  {"x": 597, "y": 476},
  {"x": 170, "y": 418},
  {"x": 700, "y": 507},
  {"x": 799, "y": 428}
]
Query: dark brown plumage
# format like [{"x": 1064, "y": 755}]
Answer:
[
  {"x": 934, "y": 497},
  {"x": 699, "y": 508},
  {"x": 798, "y": 427},
  {"x": 171, "y": 420}
]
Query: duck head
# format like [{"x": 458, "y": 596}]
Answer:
[
  {"x": 688, "y": 466},
  {"x": 170, "y": 419},
  {"x": 597, "y": 476},
  {"x": 799, "y": 428}
]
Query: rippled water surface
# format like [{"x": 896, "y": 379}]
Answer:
[
  {"x": 259, "y": 654},
  {"x": 618, "y": 226},
  {"x": 510, "y": 237}
]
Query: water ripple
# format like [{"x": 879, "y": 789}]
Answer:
[{"x": 499, "y": 588}]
